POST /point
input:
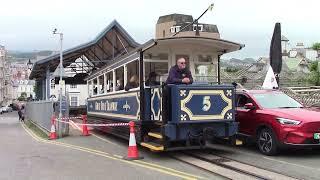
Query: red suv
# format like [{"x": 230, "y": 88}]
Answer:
[{"x": 274, "y": 120}]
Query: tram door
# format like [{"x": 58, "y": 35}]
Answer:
[{"x": 156, "y": 71}]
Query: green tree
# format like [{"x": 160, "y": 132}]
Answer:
[
  {"x": 23, "y": 96},
  {"x": 37, "y": 90},
  {"x": 314, "y": 76},
  {"x": 316, "y": 46}
]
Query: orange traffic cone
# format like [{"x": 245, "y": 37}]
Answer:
[
  {"x": 53, "y": 134},
  {"x": 85, "y": 131},
  {"x": 133, "y": 153}
]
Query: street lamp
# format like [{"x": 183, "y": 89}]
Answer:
[
  {"x": 60, "y": 82},
  {"x": 29, "y": 64}
]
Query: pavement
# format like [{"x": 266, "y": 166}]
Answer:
[{"x": 24, "y": 155}]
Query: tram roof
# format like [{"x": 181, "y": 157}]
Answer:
[
  {"x": 219, "y": 45},
  {"x": 111, "y": 43}
]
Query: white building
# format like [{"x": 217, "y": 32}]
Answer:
[
  {"x": 2, "y": 72},
  {"x": 20, "y": 80},
  {"x": 5, "y": 78},
  {"x": 23, "y": 86},
  {"x": 77, "y": 93}
]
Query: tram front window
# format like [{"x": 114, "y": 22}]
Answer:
[{"x": 205, "y": 69}]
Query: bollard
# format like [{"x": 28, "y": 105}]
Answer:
[
  {"x": 85, "y": 131},
  {"x": 53, "y": 134}
]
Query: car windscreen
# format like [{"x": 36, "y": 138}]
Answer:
[{"x": 276, "y": 100}]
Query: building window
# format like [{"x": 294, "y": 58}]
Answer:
[
  {"x": 172, "y": 29},
  {"x": 175, "y": 29},
  {"x": 52, "y": 84},
  {"x": 178, "y": 28},
  {"x": 73, "y": 86},
  {"x": 200, "y": 27},
  {"x": 74, "y": 101}
]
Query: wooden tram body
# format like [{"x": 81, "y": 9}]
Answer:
[{"x": 168, "y": 117}]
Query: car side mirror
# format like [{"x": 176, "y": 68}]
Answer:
[{"x": 249, "y": 106}]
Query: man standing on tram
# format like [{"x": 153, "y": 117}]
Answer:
[{"x": 179, "y": 74}]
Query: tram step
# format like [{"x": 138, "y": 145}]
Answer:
[
  {"x": 153, "y": 146},
  {"x": 237, "y": 142},
  {"x": 155, "y": 135}
]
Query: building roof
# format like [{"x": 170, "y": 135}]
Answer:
[
  {"x": 292, "y": 63},
  {"x": 178, "y": 18},
  {"x": 112, "y": 42}
]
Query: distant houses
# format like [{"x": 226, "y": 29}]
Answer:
[{"x": 250, "y": 73}]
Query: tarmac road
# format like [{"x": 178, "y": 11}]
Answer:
[{"x": 24, "y": 156}]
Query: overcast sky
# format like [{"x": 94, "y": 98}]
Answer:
[{"x": 27, "y": 25}]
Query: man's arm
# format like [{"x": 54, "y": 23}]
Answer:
[
  {"x": 173, "y": 77},
  {"x": 189, "y": 75}
]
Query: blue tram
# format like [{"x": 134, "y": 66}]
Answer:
[{"x": 168, "y": 117}]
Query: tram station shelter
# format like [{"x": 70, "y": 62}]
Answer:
[{"x": 81, "y": 60}]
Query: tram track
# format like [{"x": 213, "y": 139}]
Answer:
[{"x": 226, "y": 167}]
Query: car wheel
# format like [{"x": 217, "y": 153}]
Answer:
[{"x": 267, "y": 142}]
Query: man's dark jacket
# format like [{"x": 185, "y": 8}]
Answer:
[{"x": 176, "y": 75}]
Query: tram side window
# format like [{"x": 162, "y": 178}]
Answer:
[
  {"x": 101, "y": 84},
  {"x": 109, "y": 77},
  {"x": 95, "y": 86},
  {"x": 155, "y": 72},
  {"x": 119, "y": 78},
  {"x": 156, "y": 68},
  {"x": 132, "y": 75},
  {"x": 90, "y": 88}
]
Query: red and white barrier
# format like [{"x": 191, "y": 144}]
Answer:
[
  {"x": 96, "y": 125},
  {"x": 132, "y": 149}
]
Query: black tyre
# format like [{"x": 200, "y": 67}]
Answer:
[{"x": 267, "y": 142}]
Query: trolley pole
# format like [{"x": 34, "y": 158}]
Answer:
[{"x": 60, "y": 85}]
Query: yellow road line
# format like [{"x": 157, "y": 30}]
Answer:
[
  {"x": 103, "y": 139},
  {"x": 140, "y": 163},
  {"x": 117, "y": 156}
]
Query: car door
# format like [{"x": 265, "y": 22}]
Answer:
[{"x": 245, "y": 117}]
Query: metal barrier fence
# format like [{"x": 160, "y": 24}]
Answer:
[{"x": 40, "y": 113}]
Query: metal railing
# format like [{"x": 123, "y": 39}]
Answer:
[{"x": 40, "y": 113}]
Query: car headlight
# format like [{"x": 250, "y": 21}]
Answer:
[{"x": 288, "y": 121}]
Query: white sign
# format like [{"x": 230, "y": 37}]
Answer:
[{"x": 270, "y": 81}]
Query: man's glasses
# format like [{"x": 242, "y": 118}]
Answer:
[{"x": 182, "y": 62}]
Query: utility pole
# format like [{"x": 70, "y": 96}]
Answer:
[{"x": 60, "y": 85}]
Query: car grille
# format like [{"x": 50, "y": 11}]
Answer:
[{"x": 311, "y": 127}]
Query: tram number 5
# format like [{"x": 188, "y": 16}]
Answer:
[{"x": 206, "y": 103}]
